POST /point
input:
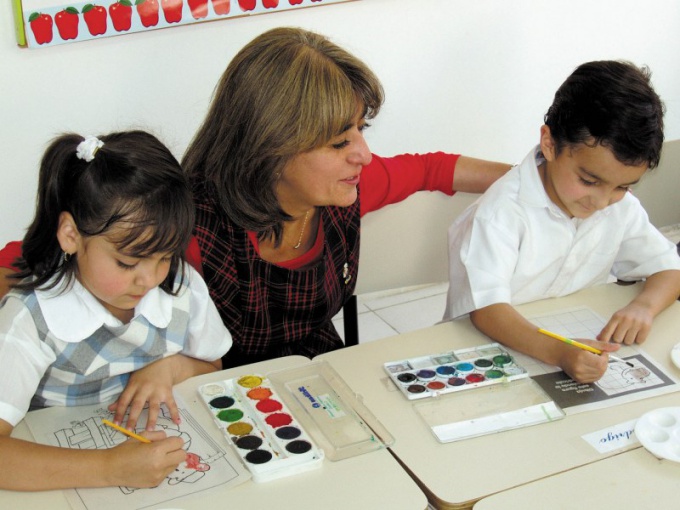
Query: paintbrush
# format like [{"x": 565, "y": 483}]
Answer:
[{"x": 581, "y": 346}]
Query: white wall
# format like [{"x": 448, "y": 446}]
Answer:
[{"x": 472, "y": 76}]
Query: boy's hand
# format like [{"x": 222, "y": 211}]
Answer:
[
  {"x": 152, "y": 384},
  {"x": 629, "y": 325},
  {"x": 584, "y": 366},
  {"x": 136, "y": 464}
]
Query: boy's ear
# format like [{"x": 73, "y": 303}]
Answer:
[
  {"x": 67, "y": 233},
  {"x": 547, "y": 144}
]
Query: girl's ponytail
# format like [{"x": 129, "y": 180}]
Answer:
[{"x": 59, "y": 169}]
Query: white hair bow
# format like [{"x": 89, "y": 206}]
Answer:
[{"x": 88, "y": 148}]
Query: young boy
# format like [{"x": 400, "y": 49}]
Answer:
[{"x": 564, "y": 220}]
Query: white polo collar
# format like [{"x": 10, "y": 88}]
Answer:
[{"x": 75, "y": 314}]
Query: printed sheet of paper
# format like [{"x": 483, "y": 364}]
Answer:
[
  {"x": 621, "y": 383},
  {"x": 208, "y": 463}
]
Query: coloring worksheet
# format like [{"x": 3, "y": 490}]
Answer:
[
  {"x": 621, "y": 383},
  {"x": 208, "y": 463}
]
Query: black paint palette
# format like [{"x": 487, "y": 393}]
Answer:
[
  {"x": 256, "y": 422},
  {"x": 453, "y": 371}
]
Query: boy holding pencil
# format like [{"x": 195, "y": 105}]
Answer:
[{"x": 564, "y": 220}]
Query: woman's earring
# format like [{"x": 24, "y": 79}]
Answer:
[{"x": 67, "y": 257}]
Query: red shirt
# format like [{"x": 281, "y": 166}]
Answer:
[{"x": 9, "y": 254}]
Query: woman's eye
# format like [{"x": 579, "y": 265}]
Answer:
[
  {"x": 360, "y": 128},
  {"x": 123, "y": 265},
  {"x": 588, "y": 183},
  {"x": 340, "y": 145}
]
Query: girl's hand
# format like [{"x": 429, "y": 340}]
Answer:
[
  {"x": 136, "y": 464},
  {"x": 584, "y": 366},
  {"x": 152, "y": 384},
  {"x": 629, "y": 325}
]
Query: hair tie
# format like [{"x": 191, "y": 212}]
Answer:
[{"x": 88, "y": 148}]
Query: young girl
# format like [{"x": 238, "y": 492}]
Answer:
[{"x": 105, "y": 310}]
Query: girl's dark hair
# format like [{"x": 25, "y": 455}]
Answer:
[
  {"x": 613, "y": 104},
  {"x": 286, "y": 92},
  {"x": 133, "y": 182}
]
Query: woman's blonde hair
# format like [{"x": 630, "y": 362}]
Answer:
[{"x": 286, "y": 92}]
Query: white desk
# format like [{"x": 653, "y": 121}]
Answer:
[
  {"x": 631, "y": 480},
  {"x": 455, "y": 475},
  {"x": 369, "y": 481}
]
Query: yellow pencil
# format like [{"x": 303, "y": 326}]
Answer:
[
  {"x": 580, "y": 345},
  {"x": 126, "y": 431}
]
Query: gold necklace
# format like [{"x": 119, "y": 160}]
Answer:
[{"x": 302, "y": 231}]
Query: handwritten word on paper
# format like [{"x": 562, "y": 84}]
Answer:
[{"x": 613, "y": 438}]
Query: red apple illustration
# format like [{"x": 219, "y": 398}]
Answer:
[
  {"x": 95, "y": 18},
  {"x": 270, "y": 4},
  {"x": 246, "y": 5},
  {"x": 294, "y": 2},
  {"x": 199, "y": 8},
  {"x": 221, "y": 7},
  {"x": 41, "y": 26},
  {"x": 172, "y": 10},
  {"x": 67, "y": 23},
  {"x": 148, "y": 12},
  {"x": 121, "y": 15}
]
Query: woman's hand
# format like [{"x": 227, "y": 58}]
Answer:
[{"x": 5, "y": 282}]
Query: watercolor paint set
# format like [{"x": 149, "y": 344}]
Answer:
[
  {"x": 255, "y": 421},
  {"x": 288, "y": 421},
  {"x": 454, "y": 371},
  {"x": 505, "y": 396}
]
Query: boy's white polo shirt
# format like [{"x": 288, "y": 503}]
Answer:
[{"x": 514, "y": 245}]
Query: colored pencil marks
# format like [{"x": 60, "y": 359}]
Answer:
[
  {"x": 92, "y": 434},
  {"x": 207, "y": 464},
  {"x": 620, "y": 383}
]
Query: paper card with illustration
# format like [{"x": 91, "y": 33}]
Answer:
[
  {"x": 207, "y": 465},
  {"x": 43, "y": 23},
  {"x": 621, "y": 383}
]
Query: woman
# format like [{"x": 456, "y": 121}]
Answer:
[{"x": 281, "y": 175}]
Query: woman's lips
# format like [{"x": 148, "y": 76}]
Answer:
[{"x": 353, "y": 181}]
